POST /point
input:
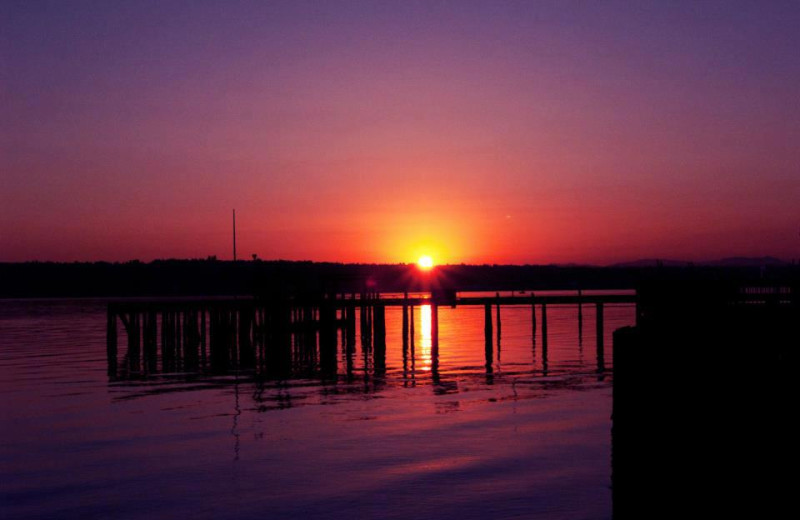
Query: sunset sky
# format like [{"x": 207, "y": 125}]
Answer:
[{"x": 479, "y": 132}]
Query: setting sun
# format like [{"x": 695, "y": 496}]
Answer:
[{"x": 425, "y": 262}]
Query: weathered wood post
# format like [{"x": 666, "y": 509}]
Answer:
[
  {"x": 349, "y": 343},
  {"x": 544, "y": 326},
  {"x": 411, "y": 331},
  {"x": 164, "y": 341},
  {"x": 580, "y": 317},
  {"x": 487, "y": 322},
  {"x": 435, "y": 326},
  {"x": 488, "y": 347},
  {"x": 600, "y": 349},
  {"x": 351, "y": 324},
  {"x": 435, "y": 343},
  {"x": 405, "y": 336},
  {"x": 179, "y": 339},
  {"x": 247, "y": 355},
  {"x": 111, "y": 341},
  {"x": 405, "y": 321},
  {"x": 203, "y": 335},
  {"x": 149, "y": 335},
  {"x": 363, "y": 311},
  {"x": 379, "y": 338},
  {"x": 327, "y": 337},
  {"x": 497, "y": 295},
  {"x": 134, "y": 340},
  {"x": 533, "y": 317}
]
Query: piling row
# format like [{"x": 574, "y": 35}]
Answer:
[{"x": 286, "y": 337}]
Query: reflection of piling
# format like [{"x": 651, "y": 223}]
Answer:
[{"x": 533, "y": 318}]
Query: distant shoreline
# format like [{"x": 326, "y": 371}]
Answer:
[{"x": 176, "y": 278}]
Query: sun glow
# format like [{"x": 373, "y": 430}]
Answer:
[{"x": 425, "y": 262}]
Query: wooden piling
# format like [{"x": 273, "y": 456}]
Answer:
[
  {"x": 411, "y": 331},
  {"x": 405, "y": 320},
  {"x": 327, "y": 338},
  {"x": 580, "y": 317},
  {"x": 134, "y": 343},
  {"x": 487, "y": 321},
  {"x": 544, "y": 332},
  {"x": 351, "y": 324},
  {"x": 488, "y": 347},
  {"x": 435, "y": 326},
  {"x": 435, "y": 343},
  {"x": 111, "y": 341},
  {"x": 498, "y": 318},
  {"x": 600, "y": 347},
  {"x": 203, "y": 335},
  {"x": 379, "y": 339},
  {"x": 149, "y": 344}
]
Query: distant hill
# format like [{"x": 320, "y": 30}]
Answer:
[
  {"x": 736, "y": 261},
  {"x": 652, "y": 262},
  {"x": 741, "y": 261}
]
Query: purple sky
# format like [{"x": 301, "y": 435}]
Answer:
[{"x": 524, "y": 132}]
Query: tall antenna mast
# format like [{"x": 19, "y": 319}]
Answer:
[{"x": 234, "y": 235}]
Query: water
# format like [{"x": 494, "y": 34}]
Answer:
[{"x": 461, "y": 436}]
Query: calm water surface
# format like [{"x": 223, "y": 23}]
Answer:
[{"x": 519, "y": 434}]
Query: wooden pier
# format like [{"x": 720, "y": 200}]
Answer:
[{"x": 239, "y": 331}]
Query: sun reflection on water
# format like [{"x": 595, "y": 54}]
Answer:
[{"x": 426, "y": 336}]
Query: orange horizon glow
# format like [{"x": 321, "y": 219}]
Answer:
[{"x": 378, "y": 149}]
